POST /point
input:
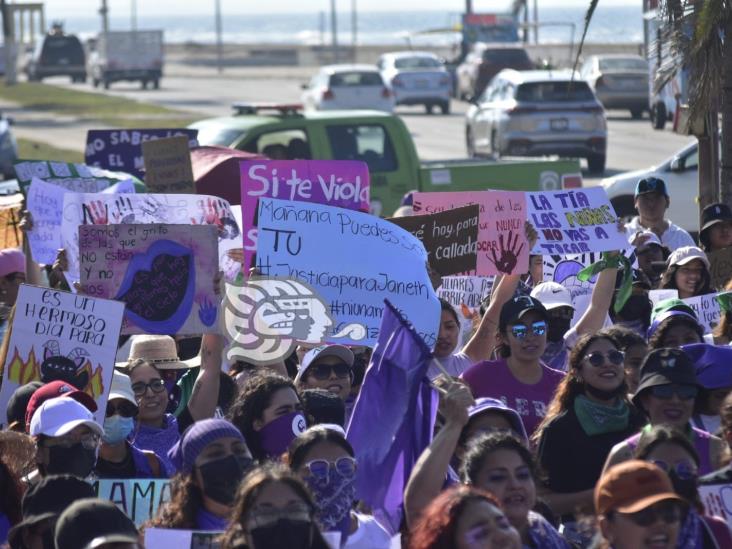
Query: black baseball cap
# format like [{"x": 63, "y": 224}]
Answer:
[
  {"x": 516, "y": 307},
  {"x": 651, "y": 185},
  {"x": 89, "y": 523},
  {"x": 665, "y": 367},
  {"x": 48, "y": 499},
  {"x": 715, "y": 213},
  {"x": 18, "y": 402}
]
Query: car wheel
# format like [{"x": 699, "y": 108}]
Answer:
[
  {"x": 494, "y": 147},
  {"x": 156, "y": 84},
  {"x": 469, "y": 143},
  {"x": 95, "y": 82},
  {"x": 107, "y": 83},
  {"x": 445, "y": 107},
  {"x": 428, "y": 108},
  {"x": 658, "y": 116},
  {"x": 624, "y": 207},
  {"x": 637, "y": 114},
  {"x": 143, "y": 84},
  {"x": 596, "y": 163}
]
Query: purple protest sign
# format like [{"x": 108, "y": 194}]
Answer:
[{"x": 341, "y": 183}]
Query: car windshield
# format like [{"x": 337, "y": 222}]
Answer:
[
  {"x": 559, "y": 91},
  {"x": 417, "y": 63},
  {"x": 361, "y": 78},
  {"x": 223, "y": 137},
  {"x": 506, "y": 56},
  {"x": 623, "y": 64}
]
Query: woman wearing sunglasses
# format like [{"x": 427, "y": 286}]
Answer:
[
  {"x": 210, "y": 460},
  {"x": 590, "y": 414},
  {"x": 672, "y": 452},
  {"x": 328, "y": 367},
  {"x": 324, "y": 459},
  {"x": 118, "y": 458}
]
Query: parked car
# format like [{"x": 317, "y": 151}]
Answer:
[
  {"x": 485, "y": 61},
  {"x": 619, "y": 81},
  {"x": 57, "y": 54},
  {"x": 681, "y": 174},
  {"x": 347, "y": 87},
  {"x": 538, "y": 113},
  {"x": 417, "y": 78},
  {"x": 381, "y": 140},
  {"x": 129, "y": 56}
]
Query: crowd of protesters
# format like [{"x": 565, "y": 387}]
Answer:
[{"x": 554, "y": 429}]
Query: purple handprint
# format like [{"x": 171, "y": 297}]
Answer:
[
  {"x": 207, "y": 311},
  {"x": 509, "y": 254}
]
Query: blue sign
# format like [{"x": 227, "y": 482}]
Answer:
[
  {"x": 354, "y": 261},
  {"x": 121, "y": 150}
]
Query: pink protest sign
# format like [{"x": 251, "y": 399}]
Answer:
[
  {"x": 341, "y": 183},
  {"x": 502, "y": 244}
]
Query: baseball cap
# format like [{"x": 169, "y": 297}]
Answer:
[
  {"x": 660, "y": 318},
  {"x": 672, "y": 304},
  {"x": 12, "y": 260},
  {"x": 92, "y": 522},
  {"x": 632, "y": 486},
  {"x": 651, "y": 185},
  {"x": 686, "y": 254},
  {"x": 48, "y": 499},
  {"x": 18, "y": 402},
  {"x": 650, "y": 239},
  {"x": 56, "y": 389},
  {"x": 487, "y": 404},
  {"x": 712, "y": 363},
  {"x": 516, "y": 307},
  {"x": 322, "y": 351},
  {"x": 122, "y": 388},
  {"x": 552, "y": 295},
  {"x": 58, "y": 416},
  {"x": 715, "y": 213},
  {"x": 665, "y": 367}
]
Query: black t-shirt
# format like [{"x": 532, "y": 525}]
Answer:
[
  {"x": 123, "y": 469},
  {"x": 573, "y": 460}
]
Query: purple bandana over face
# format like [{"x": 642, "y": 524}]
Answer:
[{"x": 276, "y": 436}]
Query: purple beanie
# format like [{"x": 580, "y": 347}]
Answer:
[{"x": 193, "y": 441}]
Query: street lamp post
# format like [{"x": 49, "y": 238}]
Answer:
[
  {"x": 334, "y": 30},
  {"x": 219, "y": 39}
]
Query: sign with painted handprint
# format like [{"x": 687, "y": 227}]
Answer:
[{"x": 163, "y": 273}]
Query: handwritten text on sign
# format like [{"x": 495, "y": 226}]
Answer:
[
  {"x": 139, "y": 498},
  {"x": 74, "y": 177},
  {"x": 707, "y": 310},
  {"x": 354, "y": 260},
  {"x": 342, "y": 183},
  {"x": 168, "y": 165}
]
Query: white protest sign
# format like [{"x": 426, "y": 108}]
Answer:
[
  {"x": 139, "y": 498},
  {"x": 59, "y": 335},
  {"x": 573, "y": 222},
  {"x": 717, "y": 500},
  {"x": 707, "y": 310},
  {"x": 656, "y": 296},
  {"x": 165, "y": 538},
  {"x": 465, "y": 294}
]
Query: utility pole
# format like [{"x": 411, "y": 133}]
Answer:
[
  {"x": 334, "y": 30},
  {"x": 9, "y": 41},
  {"x": 536, "y": 21},
  {"x": 133, "y": 15},
  {"x": 354, "y": 28},
  {"x": 468, "y": 6},
  {"x": 104, "y": 12},
  {"x": 219, "y": 39}
]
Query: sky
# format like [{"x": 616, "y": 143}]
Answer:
[{"x": 61, "y": 8}]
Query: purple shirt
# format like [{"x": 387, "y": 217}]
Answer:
[{"x": 494, "y": 379}]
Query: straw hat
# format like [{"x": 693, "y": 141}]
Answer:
[{"x": 160, "y": 351}]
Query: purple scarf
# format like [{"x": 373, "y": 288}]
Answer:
[
  {"x": 209, "y": 522},
  {"x": 690, "y": 535},
  {"x": 157, "y": 440}
]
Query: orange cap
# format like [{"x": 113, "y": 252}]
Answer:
[{"x": 632, "y": 486}]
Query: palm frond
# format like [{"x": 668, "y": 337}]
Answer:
[{"x": 588, "y": 18}]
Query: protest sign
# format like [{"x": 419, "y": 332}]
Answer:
[
  {"x": 465, "y": 294},
  {"x": 720, "y": 267},
  {"x": 717, "y": 500},
  {"x": 122, "y": 149},
  {"x": 165, "y": 538},
  {"x": 502, "y": 245},
  {"x": 79, "y": 178},
  {"x": 163, "y": 273},
  {"x": 354, "y": 260},
  {"x": 450, "y": 238},
  {"x": 657, "y": 296},
  {"x": 59, "y": 335},
  {"x": 139, "y": 498},
  {"x": 572, "y": 222},
  {"x": 168, "y": 165},
  {"x": 707, "y": 310},
  {"x": 342, "y": 183},
  {"x": 172, "y": 209}
]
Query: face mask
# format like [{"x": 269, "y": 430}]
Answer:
[
  {"x": 76, "y": 461},
  {"x": 637, "y": 308},
  {"x": 221, "y": 477},
  {"x": 293, "y": 534},
  {"x": 117, "y": 428},
  {"x": 334, "y": 497},
  {"x": 557, "y": 328},
  {"x": 276, "y": 436},
  {"x": 685, "y": 487}
]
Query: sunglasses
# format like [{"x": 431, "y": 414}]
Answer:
[
  {"x": 322, "y": 372},
  {"x": 597, "y": 359},
  {"x": 685, "y": 470},
  {"x": 124, "y": 409},
  {"x": 667, "y": 511},
  {"x": 320, "y": 468},
  {"x": 156, "y": 386},
  {"x": 520, "y": 331},
  {"x": 666, "y": 392}
]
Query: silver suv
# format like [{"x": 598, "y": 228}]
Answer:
[{"x": 537, "y": 113}]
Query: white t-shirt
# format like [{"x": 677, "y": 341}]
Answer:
[
  {"x": 369, "y": 535},
  {"x": 674, "y": 237},
  {"x": 455, "y": 365}
]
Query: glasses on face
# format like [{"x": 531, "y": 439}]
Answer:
[
  {"x": 597, "y": 358},
  {"x": 156, "y": 386},
  {"x": 320, "y": 468},
  {"x": 667, "y": 511},
  {"x": 266, "y": 517},
  {"x": 666, "y": 392},
  {"x": 519, "y": 331},
  {"x": 323, "y": 371},
  {"x": 89, "y": 441},
  {"x": 685, "y": 469},
  {"x": 124, "y": 409}
]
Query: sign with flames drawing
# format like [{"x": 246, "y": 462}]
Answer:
[{"x": 62, "y": 336}]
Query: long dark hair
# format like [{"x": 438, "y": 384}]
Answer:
[
  {"x": 658, "y": 339},
  {"x": 668, "y": 280},
  {"x": 11, "y": 494},
  {"x": 486, "y": 444},
  {"x": 185, "y": 501}
]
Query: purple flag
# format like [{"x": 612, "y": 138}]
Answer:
[{"x": 393, "y": 418}]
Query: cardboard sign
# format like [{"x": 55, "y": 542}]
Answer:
[
  {"x": 165, "y": 538},
  {"x": 450, "y": 238},
  {"x": 717, "y": 500},
  {"x": 465, "y": 294},
  {"x": 720, "y": 267},
  {"x": 172, "y": 209},
  {"x": 707, "y": 310},
  {"x": 342, "y": 183},
  {"x": 139, "y": 498},
  {"x": 79, "y": 178},
  {"x": 122, "y": 149},
  {"x": 354, "y": 260},
  {"x": 163, "y": 273},
  {"x": 572, "y": 222},
  {"x": 168, "y": 165},
  {"x": 59, "y": 335},
  {"x": 502, "y": 245}
]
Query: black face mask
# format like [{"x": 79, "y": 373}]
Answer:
[
  {"x": 221, "y": 477},
  {"x": 602, "y": 394},
  {"x": 685, "y": 487},
  {"x": 638, "y": 307},
  {"x": 558, "y": 326},
  {"x": 75, "y": 460},
  {"x": 293, "y": 534}
]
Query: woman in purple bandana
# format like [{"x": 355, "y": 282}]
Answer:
[{"x": 269, "y": 414}]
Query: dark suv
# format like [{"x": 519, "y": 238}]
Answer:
[
  {"x": 58, "y": 54},
  {"x": 484, "y": 62}
]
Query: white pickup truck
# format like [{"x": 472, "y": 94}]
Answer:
[{"x": 127, "y": 55}]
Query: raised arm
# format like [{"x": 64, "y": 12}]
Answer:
[
  {"x": 205, "y": 393},
  {"x": 602, "y": 294}
]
